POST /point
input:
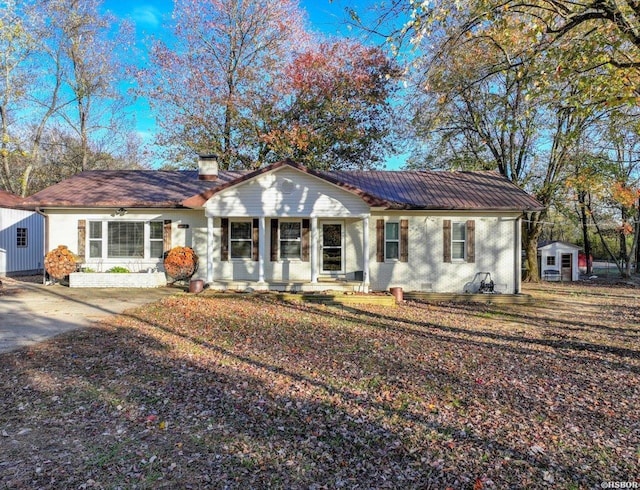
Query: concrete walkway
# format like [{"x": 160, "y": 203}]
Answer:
[{"x": 31, "y": 313}]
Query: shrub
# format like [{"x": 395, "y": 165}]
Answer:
[
  {"x": 181, "y": 263},
  {"x": 118, "y": 269}
]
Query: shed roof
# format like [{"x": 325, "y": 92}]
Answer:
[
  {"x": 548, "y": 243},
  {"x": 435, "y": 190}
]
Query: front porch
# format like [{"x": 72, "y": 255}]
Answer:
[
  {"x": 305, "y": 254},
  {"x": 284, "y": 230}
]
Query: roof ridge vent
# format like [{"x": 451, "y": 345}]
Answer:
[{"x": 207, "y": 167}]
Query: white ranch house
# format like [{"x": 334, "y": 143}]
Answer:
[{"x": 286, "y": 227}]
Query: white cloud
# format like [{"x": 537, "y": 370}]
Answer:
[{"x": 147, "y": 16}]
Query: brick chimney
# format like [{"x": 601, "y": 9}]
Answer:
[{"x": 207, "y": 167}]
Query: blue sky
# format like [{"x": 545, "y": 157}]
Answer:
[
  {"x": 324, "y": 15},
  {"x": 151, "y": 17}
]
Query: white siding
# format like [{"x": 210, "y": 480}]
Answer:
[
  {"x": 286, "y": 192},
  {"x": 496, "y": 248},
  {"x": 495, "y": 252},
  {"x": 63, "y": 230},
  {"x": 14, "y": 259},
  {"x": 286, "y": 270}
]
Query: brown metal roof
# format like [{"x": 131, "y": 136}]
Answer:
[
  {"x": 437, "y": 190},
  {"x": 441, "y": 190},
  {"x": 9, "y": 200},
  {"x": 127, "y": 188}
]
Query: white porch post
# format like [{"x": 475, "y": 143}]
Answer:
[
  {"x": 209, "y": 249},
  {"x": 314, "y": 250},
  {"x": 261, "y": 247},
  {"x": 365, "y": 253}
]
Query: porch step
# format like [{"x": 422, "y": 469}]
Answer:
[
  {"x": 333, "y": 285},
  {"x": 341, "y": 299}
]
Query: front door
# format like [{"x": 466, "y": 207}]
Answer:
[
  {"x": 567, "y": 267},
  {"x": 331, "y": 248}
]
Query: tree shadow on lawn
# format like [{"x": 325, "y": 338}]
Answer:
[
  {"x": 520, "y": 315},
  {"x": 408, "y": 415},
  {"x": 383, "y": 321},
  {"x": 586, "y": 289},
  {"x": 514, "y": 345},
  {"x": 111, "y": 390}
]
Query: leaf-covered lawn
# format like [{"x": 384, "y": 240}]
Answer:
[{"x": 236, "y": 391}]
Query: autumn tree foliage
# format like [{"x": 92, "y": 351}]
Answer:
[
  {"x": 181, "y": 263},
  {"x": 604, "y": 184},
  {"x": 245, "y": 80},
  {"x": 339, "y": 115},
  {"x": 209, "y": 87},
  {"x": 594, "y": 42},
  {"x": 468, "y": 115}
]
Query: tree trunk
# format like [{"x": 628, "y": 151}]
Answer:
[
  {"x": 584, "y": 221},
  {"x": 531, "y": 235},
  {"x": 605, "y": 244},
  {"x": 637, "y": 238},
  {"x": 622, "y": 240},
  {"x": 4, "y": 150}
]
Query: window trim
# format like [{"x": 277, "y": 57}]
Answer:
[
  {"x": 22, "y": 239},
  {"x": 395, "y": 240},
  {"x": 298, "y": 240},
  {"x": 99, "y": 239},
  {"x": 463, "y": 225},
  {"x": 250, "y": 239},
  {"x": 104, "y": 240},
  {"x": 156, "y": 240}
]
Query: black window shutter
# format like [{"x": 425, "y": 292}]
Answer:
[
  {"x": 380, "y": 240},
  {"x": 274, "y": 240},
  {"x": 404, "y": 240},
  {"x": 471, "y": 241},
  {"x": 224, "y": 239},
  {"x": 304, "y": 239},
  {"x": 446, "y": 240},
  {"x": 256, "y": 239}
]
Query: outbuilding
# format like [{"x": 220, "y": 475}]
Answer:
[
  {"x": 21, "y": 236},
  {"x": 558, "y": 261}
]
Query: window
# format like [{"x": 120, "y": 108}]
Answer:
[
  {"x": 551, "y": 260},
  {"x": 95, "y": 239},
  {"x": 125, "y": 239},
  {"x": 458, "y": 240},
  {"x": 392, "y": 241},
  {"x": 290, "y": 240},
  {"x": 156, "y": 239},
  {"x": 21, "y": 237},
  {"x": 240, "y": 242}
]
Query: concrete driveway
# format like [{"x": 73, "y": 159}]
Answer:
[{"x": 30, "y": 312}]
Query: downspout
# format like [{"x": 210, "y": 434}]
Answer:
[
  {"x": 45, "y": 241},
  {"x": 210, "y": 246}
]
